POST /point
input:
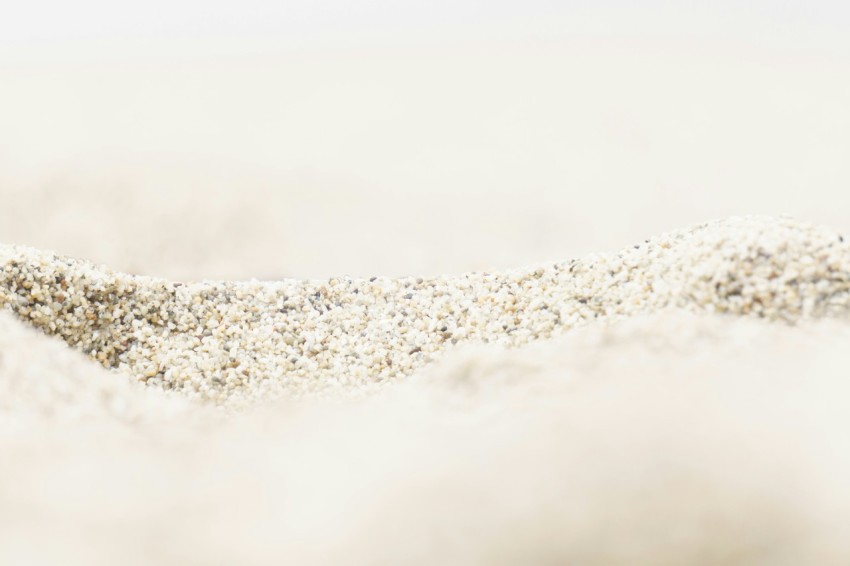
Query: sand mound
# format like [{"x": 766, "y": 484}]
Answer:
[
  {"x": 608, "y": 410},
  {"x": 216, "y": 340}
]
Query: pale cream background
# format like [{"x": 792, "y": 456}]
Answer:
[
  {"x": 307, "y": 139},
  {"x": 393, "y": 140}
]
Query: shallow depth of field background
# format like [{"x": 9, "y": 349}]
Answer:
[
  {"x": 307, "y": 139},
  {"x": 311, "y": 138}
]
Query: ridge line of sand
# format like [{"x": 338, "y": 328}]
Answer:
[{"x": 217, "y": 340}]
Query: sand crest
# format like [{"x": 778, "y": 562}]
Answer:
[{"x": 254, "y": 339}]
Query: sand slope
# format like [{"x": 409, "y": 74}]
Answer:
[
  {"x": 666, "y": 434},
  {"x": 673, "y": 438}
]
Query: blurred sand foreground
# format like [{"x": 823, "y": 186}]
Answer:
[
  {"x": 668, "y": 438},
  {"x": 664, "y": 440}
]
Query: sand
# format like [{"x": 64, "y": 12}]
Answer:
[
  {"x": 706, "y": 447},
  {"x": 703, "y": 423},
  {"x": 258, "y": 340},
  {"x": 604, "y": 374}
]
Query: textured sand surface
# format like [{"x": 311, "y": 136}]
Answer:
[
  {"x": 679, "y": 402},
  {"x": 219, "y": 340},
  {"x": 698, "y": 427}
]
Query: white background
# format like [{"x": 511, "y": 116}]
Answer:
[{"x": 271, "y": 139}]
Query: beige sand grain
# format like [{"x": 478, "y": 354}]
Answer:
[{"x": 254, "y": 340}]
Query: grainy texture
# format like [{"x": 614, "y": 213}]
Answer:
[
  {"x": 657, "y": 429},
  {"x": 217, "y": 340}
]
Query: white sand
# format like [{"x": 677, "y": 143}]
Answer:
[
  {"x": 674, "y": 436},
  {"x": 221, "y": 341},
  {"x": 670, "y": 439}
]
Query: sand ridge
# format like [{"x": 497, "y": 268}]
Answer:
[
  {"x": 657, "y": 429},
  {"x": 256, "y": 339}
]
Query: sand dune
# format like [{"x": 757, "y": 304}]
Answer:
[
  {"x": 557, "y": 361},
  {"x": 681, "y": 401}
]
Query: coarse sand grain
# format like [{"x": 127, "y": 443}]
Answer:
[{"x": 228, "y": 341}]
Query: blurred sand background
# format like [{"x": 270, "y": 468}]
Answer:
[
  {"x": 311, "y": 139},
  {"x": 316, "y": 139}
]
